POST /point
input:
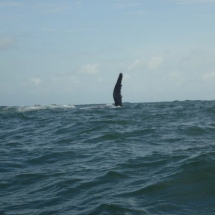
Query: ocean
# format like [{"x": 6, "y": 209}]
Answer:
[{"x": 143, "y": 158}]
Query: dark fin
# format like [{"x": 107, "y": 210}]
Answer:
[{"x": 117, "y": 91}]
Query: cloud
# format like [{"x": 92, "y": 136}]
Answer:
[
  {"x": 130, "y": 7},
  {"x": 208, "y": 76},
  {"x": 175, "y": 75},
  {"x": 100, "y": 79},
  {"x": 193, "y": 1},
  {"x": 50, "y": 7},
  {"x": 141, "y": 64},
  {"x": 74, "y": 30},
  {"x": 7, "y": 42},
  {"x": 89, "y": 69},
  {"x": 135, "y": 64},
  {"x": 35, "y": 81},
  {"x": 121, "y": 5},
  {"x": 126, "y": 77},
  {"x": 64, "y": 81},
  {"x": 137, "y": 12},
  {"x": 57, "y": 7},
  {"x": 10, "y": 4},
  {"x": 48, "y": 29},
  {"x": 155, "y": 63}
]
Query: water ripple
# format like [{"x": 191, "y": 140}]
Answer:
[{"x": 146, "y": 158}]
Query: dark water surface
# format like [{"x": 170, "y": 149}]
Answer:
[{"x": 146, "y": 158}]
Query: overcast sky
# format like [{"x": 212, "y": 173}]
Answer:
[{"x": 71, "y": 51}]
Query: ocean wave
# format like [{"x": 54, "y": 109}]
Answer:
[
  {"x": 145, "y": 158},
  {"x": 92, "y": 107},
  {"x": 45, "y": 107}
]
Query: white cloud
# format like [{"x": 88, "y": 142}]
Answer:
[
  {"x": 10, "y": 4},
  {"x": 135, "y": 64},
  {"x": 137, "y": 12},
  {"x": 48, "y": 29},
  {"x": 100, "y": 79},
  {"x": 193, "y": 1},
  {"x": 130, "y": 7},
  {"x": 126, "y": 77},
  {"x": 7, "y": 42},
  {"x": 121, "y": 5},
  {"x": 65, "y": 82},
  {"x": 155, "y": 63},
  {"x": 175, "y": 75},
  {"x": 35, "y": 81},
  {"x": 176, "y": 78},
  {"x": 56, "y": 7},
  {"x": 75, "y": 30},
  {"x": 52, "y": 7},
  {"x": 208, "y": 76},
  {"x": 89, "y": 69}
]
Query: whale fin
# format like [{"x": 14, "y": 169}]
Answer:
[{"x": 117, "y": 91}]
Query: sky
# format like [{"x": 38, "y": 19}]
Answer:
[{"x": 72, "y": 51}]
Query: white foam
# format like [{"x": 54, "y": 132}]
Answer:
[
  {"x": 97, "y": 106},
  {"x": 44, "y": 107},
  {"x": 110, "y": 105}
]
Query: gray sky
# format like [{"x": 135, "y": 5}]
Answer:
[{"x": 71, "y": 51}]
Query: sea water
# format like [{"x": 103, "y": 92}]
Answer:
[{"x": 143, "y": 158}]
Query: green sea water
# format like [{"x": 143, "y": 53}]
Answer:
[{"x": 143, "y": 158}]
